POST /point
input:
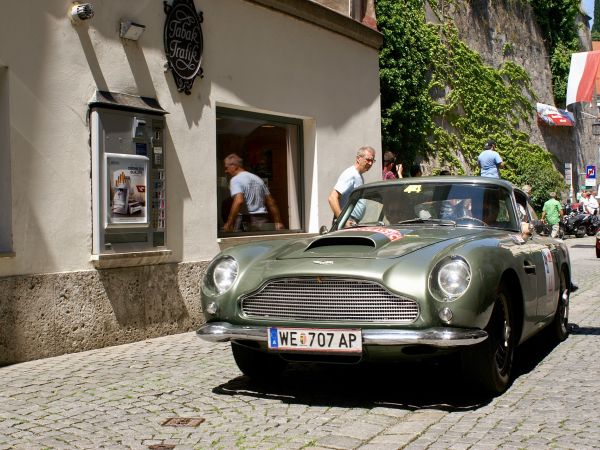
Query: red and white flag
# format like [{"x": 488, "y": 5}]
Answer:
[{"x": 582, "y": 76}]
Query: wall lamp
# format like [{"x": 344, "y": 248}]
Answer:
[
  {"x": 131, "y": 30},
  {"x": 80, "y": 12}
]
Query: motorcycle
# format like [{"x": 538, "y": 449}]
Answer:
[
  {"x": 592, "y": 224},
  {"x": 579, "y": 224}
]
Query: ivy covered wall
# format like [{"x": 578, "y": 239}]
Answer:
[{"x": 455, "y": 73}]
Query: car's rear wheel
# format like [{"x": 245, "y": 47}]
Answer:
[
  {"x": 490, "y": 363},
  {"x": 257, "y": 364},
  {"x": 559, "y": 328}
]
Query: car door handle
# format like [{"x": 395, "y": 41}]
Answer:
[{"x": 529, "y": 268}]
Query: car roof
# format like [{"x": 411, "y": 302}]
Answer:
[{"x": 444, "y": 179}]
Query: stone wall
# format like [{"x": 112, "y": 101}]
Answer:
[
  {"x": 490, "y": 26},
  {"x": 51, "y": 314}
]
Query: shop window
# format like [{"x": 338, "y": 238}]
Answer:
[
  {"x": 128, "y": 181},
  {"x": 269, "y": 147},
  {"x": 5, "y": 167}
]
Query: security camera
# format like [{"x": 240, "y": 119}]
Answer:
[{"x": 81, "y": 11}]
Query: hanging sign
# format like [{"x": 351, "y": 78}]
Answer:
[
  {"x": 183, "y": 43},
  {"x": 552, "y": 116}
]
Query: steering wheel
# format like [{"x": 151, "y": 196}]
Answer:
[{"x": 465, "y": 220}]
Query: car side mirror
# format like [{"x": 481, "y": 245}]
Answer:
[{"x": 323, "y": 230}]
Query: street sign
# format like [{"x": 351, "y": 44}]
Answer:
[{"x": 590, "y": 175}]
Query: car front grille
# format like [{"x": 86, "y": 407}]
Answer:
[{"x": 328, "y": 299}]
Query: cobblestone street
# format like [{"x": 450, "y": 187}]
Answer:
[{"x": 120, "y": 397}]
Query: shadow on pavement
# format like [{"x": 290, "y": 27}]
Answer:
[
  {"x": 588, "y": 331},
  {"x": 404, "y": 386}
]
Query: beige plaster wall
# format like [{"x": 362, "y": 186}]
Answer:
[{"x": 52, "y": 300}]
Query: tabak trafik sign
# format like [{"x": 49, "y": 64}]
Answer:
[{"x": 183, "y": 42}]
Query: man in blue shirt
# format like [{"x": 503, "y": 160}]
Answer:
[{"x": 490, "y": 161}]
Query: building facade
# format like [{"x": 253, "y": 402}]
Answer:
[{"x": 115, "y": 119}]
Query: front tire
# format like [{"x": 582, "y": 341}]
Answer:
[
  {"x": 490, "y": 363},
  {"x": 256, "y": 364}
]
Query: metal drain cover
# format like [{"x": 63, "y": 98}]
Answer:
[{"x": 183, "y": 422}]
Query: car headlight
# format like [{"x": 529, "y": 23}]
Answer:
[
  {"x": 450, "y": 278},
  {"x": 221, "y": 274}
]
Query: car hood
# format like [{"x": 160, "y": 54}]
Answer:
[{"x": 373, "y": 242}]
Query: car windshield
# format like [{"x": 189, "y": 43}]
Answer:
[{"x": 442, "y": 203}]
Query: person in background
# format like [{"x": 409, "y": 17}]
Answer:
[
  {"x": 552, "y": 213},
  {"x": 527, "y": 190},
  {"x": 251, "y": 199},
  {"x": 350, "y": 178},
  {"x": 585, "y": 202},
  {"x": 391, "y": 170},
  {"x": 489, "y": 160}
]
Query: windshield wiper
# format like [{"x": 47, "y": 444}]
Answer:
[{"x": 430, "y": 220}]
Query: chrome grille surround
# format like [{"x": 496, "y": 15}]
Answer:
[{"x": 328, "y": 299}]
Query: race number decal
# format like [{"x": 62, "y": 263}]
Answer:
[{"x": 548, "y": 270}]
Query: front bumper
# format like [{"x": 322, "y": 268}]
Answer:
[{"x": 436, "y": 337}]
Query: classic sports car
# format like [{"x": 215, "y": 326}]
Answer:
[{"x": 412, "y": 268}]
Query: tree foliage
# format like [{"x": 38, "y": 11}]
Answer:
[
  {"x": 596, "y": 25},
  {"x": 441, "y": 101},
  {"x": 557, "y": 20}
]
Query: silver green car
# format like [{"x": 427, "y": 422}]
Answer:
[{"x": 413, "y": 268}]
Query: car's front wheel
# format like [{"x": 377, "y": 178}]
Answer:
[
  {"x": 257, "y": 364},
  {"x": 490, "y": 363}
]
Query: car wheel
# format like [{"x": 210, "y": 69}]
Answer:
[
  {"x": 257, "y": 364},
  {"x": 559, "y": 328},
  {"x": 490, "y": 363},
  {"x": 580, "y": 232}
]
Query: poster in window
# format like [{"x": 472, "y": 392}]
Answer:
[{"x": 128, "y": 189}]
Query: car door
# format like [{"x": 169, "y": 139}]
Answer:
[{"x": 545, "y": 255}]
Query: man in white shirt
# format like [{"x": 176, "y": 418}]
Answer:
[{"x": 350, "y": 179}]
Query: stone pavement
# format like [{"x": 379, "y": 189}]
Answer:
[{"x": 120, "y": 397}]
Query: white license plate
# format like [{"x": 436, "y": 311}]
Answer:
[{"x": 315, "y": 340}]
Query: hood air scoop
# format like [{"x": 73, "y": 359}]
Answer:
[{"x": 342, "y": 240}]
